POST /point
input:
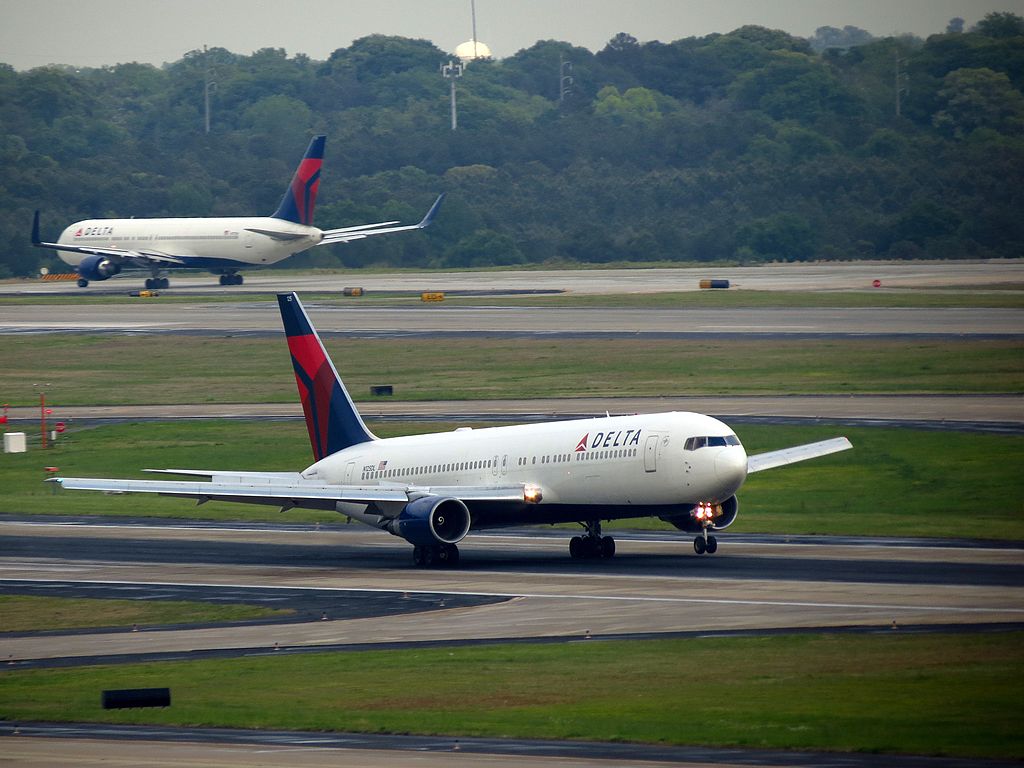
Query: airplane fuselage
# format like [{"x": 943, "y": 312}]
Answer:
[
  {"x": 207, "y": 243},
  {"x": 624, "y": 465}
]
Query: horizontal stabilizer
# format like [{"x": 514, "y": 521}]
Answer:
[
  {"x": 345, "y": 234},
  {"x": 772, "y": 459},
  {"x": 273, "y": 235}
]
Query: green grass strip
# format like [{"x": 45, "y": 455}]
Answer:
[
  {"x": 959, "y": 694},
  {"x": 29, "y": 613},
  {"x": 91, "y": 370}
]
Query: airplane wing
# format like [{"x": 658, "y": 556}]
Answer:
[
  {"x": 772, "y": 459},
  {"x": 346, "y": 234},
  {"x": 143, "y": 257},
  {"x": 285, "y": 489},
  {"x": 138, "y": 257}
]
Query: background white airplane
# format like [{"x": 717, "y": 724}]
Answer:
[
  {"x": 433, "y": 489},
  {"x": 98, "y": 248}
]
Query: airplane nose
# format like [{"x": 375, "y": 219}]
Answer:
[{"x": 731, "y": 466}]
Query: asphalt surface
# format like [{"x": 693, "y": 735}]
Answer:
[
  {"x": 859, "y": 275},
  {"x": 263, "y": 318},
  {"x": 511, "y": 588},
  {"x": 86, "y": 745},
  {"x": 356, "y": 589},
  {"x": 991, "y": 413}
]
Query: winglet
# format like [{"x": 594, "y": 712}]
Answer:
[
  {"x": 432, "y": 213},
  {"x": 36, "y": 240},
  {"x": 299, "y": 199},
  {"x": 331, "y": 417}
]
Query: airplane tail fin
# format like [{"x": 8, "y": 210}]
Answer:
[
  {"x": 300, "y": 198},
  {"x": 331, "y": 416}
]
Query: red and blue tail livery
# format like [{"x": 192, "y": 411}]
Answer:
[
  {"x": 331, "y": 418},
  {"x": 300, "y": 199}
]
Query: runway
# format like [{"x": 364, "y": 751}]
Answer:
[
  {"x": 157, "y": 747},
  {"x": 510, "y": 588},
  {"x": 526, "y": 585},
  {"x": 843, "y": 276},
  {"x": 263, "y": 318},
  {"x": 993, "y": 413}
]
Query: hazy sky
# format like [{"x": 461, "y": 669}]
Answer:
[{"x": 94, "y": 33}]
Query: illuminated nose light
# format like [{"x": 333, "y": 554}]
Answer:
[
  {"x": 532, "y": 494},
  {"x": 706, "y": 511}
]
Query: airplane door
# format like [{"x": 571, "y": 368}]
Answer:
[
  {"x": 504, "y": 465},
  {"x": 494, "y": 468},
  {"x": 349, "y": 470},
  {"x": 651, "y": 454}
]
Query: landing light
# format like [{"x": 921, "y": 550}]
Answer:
[
  {"x": 706, "y": 510},
  {"x": 532, "y": 494}
]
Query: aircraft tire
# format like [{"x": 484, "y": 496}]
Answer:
[
  {"x": 576, "y": 547},
  {"x": 448, "y": 555},
  {"x": 699, "y": 546},
  {"x": 83, "y": 283},
  {"x": 149, "y": 283},
  {"x": 417, "y": 556},
  {"x": 607, "y": 547},
  {"x": 712, "y": 545}
]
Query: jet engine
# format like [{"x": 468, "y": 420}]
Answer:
[
  {"x": 694, "y": 520},
  {"x": 432, "y": 520},
  {"x": 97, "y": 268}
]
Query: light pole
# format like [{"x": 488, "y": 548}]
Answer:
[
  {"x": 451, "y": 72},
  {"x": 565, "y": 80}
]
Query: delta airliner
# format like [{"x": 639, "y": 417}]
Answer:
[
  {"x": 432, "y": 490},
  {"x": 99, "y": 248}
]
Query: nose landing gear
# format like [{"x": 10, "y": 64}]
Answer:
[
  {"x": 705, "y": 514},
  {"x": 705, "y": 543}
]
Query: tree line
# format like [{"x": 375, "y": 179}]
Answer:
[{"x": 749, "y": 146}]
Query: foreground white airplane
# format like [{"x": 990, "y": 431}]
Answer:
[
  {"x": 98, "y": 248},
  {"x": 431, "y": 490}
]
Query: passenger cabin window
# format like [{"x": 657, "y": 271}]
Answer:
[{"x": 695, "y": 443}]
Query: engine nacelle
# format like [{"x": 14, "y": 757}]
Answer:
[
  {"x": 432, "y": 520},
  {"x": 97, "y": 268},
  {"x": 693, "y": 521}
]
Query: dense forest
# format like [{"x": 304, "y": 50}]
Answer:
[{"x": 748, "y": 146}]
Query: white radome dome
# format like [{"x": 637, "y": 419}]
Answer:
[{"x": 473, "y": 49}]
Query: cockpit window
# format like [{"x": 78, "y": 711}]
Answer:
[{"x": 695, "y": 443}]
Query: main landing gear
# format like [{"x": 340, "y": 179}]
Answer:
[
  {"x": 157, "y": 283},
  {"x": 593, "y": 545},
  {"x": 435, "y": 556},
  {"x": 231, "y": 278}
]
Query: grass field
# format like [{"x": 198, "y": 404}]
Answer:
[
  {"x": 957, "y": 694},
  {"x": 96, "y": 370},
  {"x": 894, "y": 481},
  {"x": 28, "y": 613}
]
